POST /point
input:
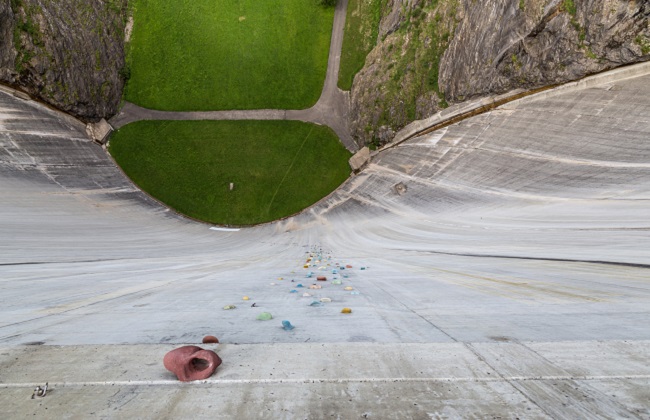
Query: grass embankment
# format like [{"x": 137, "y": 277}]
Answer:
[
  {"x": 361, "y": 29},
  {"x": 278, "y": 167},
  {"x": 204, "y": 55}
]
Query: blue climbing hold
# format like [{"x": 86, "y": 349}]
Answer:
[
  {"x": 315, "y": 303},
  {"x": 286, "y": 325},
  {"x": 299, "y": 285},
  {"x": 293, "y": 291}
]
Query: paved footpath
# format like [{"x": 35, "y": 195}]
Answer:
[{"x": 332, "y": 108}]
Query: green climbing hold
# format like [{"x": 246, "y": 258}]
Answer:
[{"x": 264, "y": 316}]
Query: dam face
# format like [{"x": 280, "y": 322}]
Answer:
[{"x": 526, "y": 226}]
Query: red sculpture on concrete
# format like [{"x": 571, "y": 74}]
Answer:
[{"x": 191, "y": 363}]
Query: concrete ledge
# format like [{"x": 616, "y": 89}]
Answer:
[
  {"x": 99, "y": 131},
  {"x": 360, "y": 159}
]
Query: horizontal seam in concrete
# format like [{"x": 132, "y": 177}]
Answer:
[
  {"x": 328, "y": 381},
  {"x": 515, "y": 257}
]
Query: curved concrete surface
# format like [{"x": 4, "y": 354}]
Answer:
[{"x": 507, "y": 274}]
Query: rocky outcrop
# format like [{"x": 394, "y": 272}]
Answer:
[
  {"x": 68, "y": 53},
  {"x": 434, "y": 53}
]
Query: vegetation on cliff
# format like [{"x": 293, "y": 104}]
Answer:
[{"x": 432, "y": 53}]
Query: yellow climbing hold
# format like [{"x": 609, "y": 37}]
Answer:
[
  {"x": 346, "y": 311},
  {"x": 348, "y": 288},
  {"x": 245, "y": 298}
]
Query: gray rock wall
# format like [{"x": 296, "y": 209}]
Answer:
[
  {"x": 68, "y": 53},
  {"x": 432, "y": 53},
  {"x": 547, "y": 42}
]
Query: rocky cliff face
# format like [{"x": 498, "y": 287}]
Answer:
[
  {"x": 434, "y": 53},
  {"x": 69, "y": 53}
]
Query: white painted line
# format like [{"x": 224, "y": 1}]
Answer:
[
  {"x": 220, "y": 229},
  {"x": 329, "y": 381}
]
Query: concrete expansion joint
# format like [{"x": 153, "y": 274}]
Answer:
[{"x": 499, "y": 378}]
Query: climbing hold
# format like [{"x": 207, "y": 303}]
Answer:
[
  {"x": 229, "y": 307},
  {"x": 210, "y": 339},
  {"x": 335, "y": 271},
  {"x": 293, "y": 291},
  {"x": 272, "y": 284},
  {"x": 355, "y": 293},
  {"x": 280, "y": 278},
  {"x": 264, "y": 316},
  {"x": 341, "y": 268},
  {"x": 336, "y": 282},
  {"x": 346, "y": 311},
  {"x": 321, "y": 278},
  {"x": 306, "y": 294},
  {"x": 345, "y": 276},
  {"x": 315, "y": 303},
  {"x": 363, "y": 268},
  {"x": 348, "y": 266},
  {"x": 245, "y": 298},
  {"x": 348, "y": 288},
  {"x": 305, "y": 266},
  {"x": 315, "y": 286},
  {"x": 286, "y": 325},
  {"x": 325, "y": 300},
  {"x": 191, "y": 363},
  {"x": 299, "y": 285}
]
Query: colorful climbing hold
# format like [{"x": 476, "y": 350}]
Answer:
[
  {"x": 210, "y": 339},
  {"x": 336, "y": 282},
  {"x": 245, "y": 298},
  {"x": 321, "y": 278},
  {"x": 325, "y": 300},
  {"x": 348, "y": 288},
  {"x": 286, "y": 325},
  {"x": 265, "y": 316},
  {"x": 346, "y": 311},
  {"x": 227, "y": 307}
]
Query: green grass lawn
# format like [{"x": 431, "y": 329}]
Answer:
[
  {"x": 199, "y": 55},
  {"x": 361, "y": 29},
  {"x": 278, "y": 167}
]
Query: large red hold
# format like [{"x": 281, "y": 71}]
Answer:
[{"x": 191, "y": 363}]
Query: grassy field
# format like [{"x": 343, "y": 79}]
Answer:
[
  {"x": 278, "y": 167},
  {"x": 361, "y": 29},
  {"x": 199, "y": 55}
]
